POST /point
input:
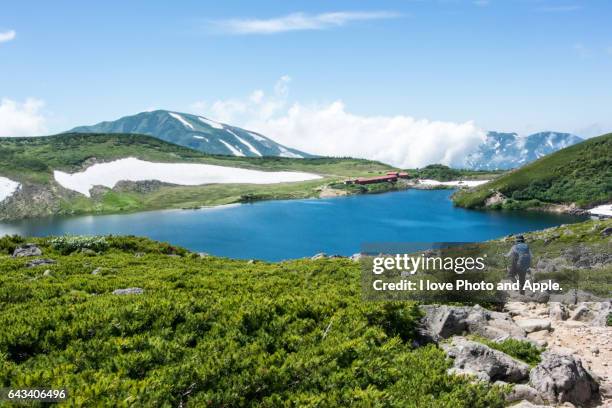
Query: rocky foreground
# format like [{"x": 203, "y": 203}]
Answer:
[{"x": 576, "y": 362}]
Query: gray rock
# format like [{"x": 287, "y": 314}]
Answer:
[
  {"x": 445, "y": 321},
  {"x": 527, "y": 404},
  {"x": 38, "y": 262},
  {"x": 574, "y": 296},
  {"x": 320, "y": 255},
  {"x": 88, "y": 252},
  {"x": 128, "y": 291},
  {"x": 27, "y": 250},
  {"x": 441, "y": 322},
  {"x": 607, "y": 231},
  {"x": 593, "y": 313},
  {"x": 557, "y": 311},
  {"x": 487, "y": 364},
  {"x": 47, "y": 272},
  {"x": 523, "y": 392},
  {"x": 533, "y": 325},
  {"x": 561, "y": 378},
  {"x": 355, "y": 257},
  {"x": 96, "y": 271}
]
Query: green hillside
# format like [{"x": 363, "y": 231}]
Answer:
[
  {"x": 213, "y": 332},
  {"x": 580, "y": 174},
  {"x": 31, "y": 162},
  {"x": 217, "y": 332}
]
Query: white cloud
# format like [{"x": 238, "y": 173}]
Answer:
[
  {"x": 330, "y": 129},
  {"x": 299, "y": 22},
  {"x": 7, "y": 36},
  {"x": 256, "y": 106},
  {"x": 22, "y": 119}
]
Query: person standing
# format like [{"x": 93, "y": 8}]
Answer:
[{"x": 520, "y": 261}]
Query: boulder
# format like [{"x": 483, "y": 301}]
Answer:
[
  {"x": 593, "y": 313},
  {"x": 606, "y": 232},
  {"x": 320, "y": 255},
  {"x": 38, "y": 262},
  {"x": 523, "y": 392},
  {"x": 557, "y": 311},
  {"x": 442, "y": 321},
  {"x": 533, "y": 325},
  {"x": 561, "y": 378},
  {"x": 27, "y": 250},
  {"x": 527, "y": 404},
  {"x": 96, "y": 271},
  {"x": 355, "y": 257},
  {"x": 445, "y": 321},
  {"x": 574, "y": 296},
  {"x": 128, "y": 291},
  {"x": 487, "y": 364}
]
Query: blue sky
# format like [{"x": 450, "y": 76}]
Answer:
[{"x": 510, "y": 65}]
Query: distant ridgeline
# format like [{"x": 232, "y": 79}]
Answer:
[
  {"x": 580, "y": 174},
  {"x": 196, "y": 132},
  {"x": 503, "y": 151}
]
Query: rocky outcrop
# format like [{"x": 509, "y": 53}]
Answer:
[
  {"x": 533, "y": 325},
  {"x": 557, "y": 311},
  {"x": 524, "y": 392},
  {"x": 128, "y": 291},
  {"x": 26, "y": 251},
  {"x": 473, "y": 358},
  {"x": 562, "y": 378},
  {"x": 442, "y": 322},
  {"x": 38, "y": 262}
]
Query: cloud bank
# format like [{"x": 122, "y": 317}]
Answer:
[
  {"x": 299, "y": 22},
  {"x": 21, "y": 119},
  {"x": 331, "y": 129},
  {"x": 7, "y": 36}
]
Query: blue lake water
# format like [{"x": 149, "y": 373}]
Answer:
[{"x": 276, "y": 230}]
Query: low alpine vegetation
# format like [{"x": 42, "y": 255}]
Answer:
[{"x": 207, "y": 331}]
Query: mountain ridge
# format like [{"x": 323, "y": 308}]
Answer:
[
  {"x": 505, "y": 151},
  {"x": 196, "y": 132}
]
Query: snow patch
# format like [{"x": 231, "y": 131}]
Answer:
[
  {"x": 605, "y": 210},
  {"x": 7, "y": 188},
  {"x": 456, "y": 183},
  {"x": 257, "y": 137},
  {"x": 247, "y": 144},
  {"x": 185, "y": 174},
  {"x": 286, "y": 153},
  {"x": 212, "y": 123},
  {"x": 182, "y": 120},
  {"x": 201, "y": 138},
  {"x": 235, "y": 151}
]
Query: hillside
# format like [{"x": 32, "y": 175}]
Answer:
[
  {"x": 580, "y": 174},
  {"x": 35, "y": 162},
  {"x": 201, "y": 330},
  {"x": 503, "y": 151},
  {"x": 195, "y": 132}
]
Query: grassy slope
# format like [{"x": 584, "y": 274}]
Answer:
[
  {"x": 32, "y": 160},
  {"x": 580, "y": 174},
  {"x": 214, "y": 332},
  {"x": 218, "y": 332}
]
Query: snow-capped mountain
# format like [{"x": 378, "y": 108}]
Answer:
[
  {"x": 196, "y": 132},
  {"x": 502, "y": 151}
]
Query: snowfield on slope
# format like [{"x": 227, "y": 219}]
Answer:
[
  {"x": 458, "y": 183},
  {"x": 186, "y": 174},
  {"x": 605, "y": 210},
  {"x": 7, "y": 188}
]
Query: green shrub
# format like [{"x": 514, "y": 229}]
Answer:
[
  {"x": 519, "y": 349},
  {"x": 8, "y": 243},
  {"x": 68, "y": 244}
]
